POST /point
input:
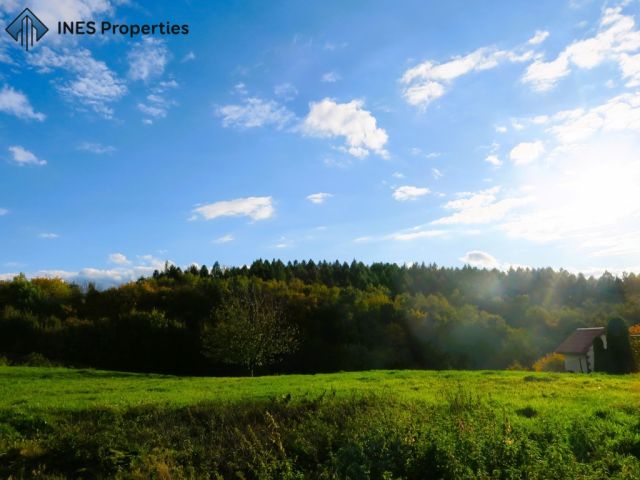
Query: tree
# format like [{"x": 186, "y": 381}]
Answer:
[
  {"x": 620, "y": 354},
  {"x": 250, "y": 330}
]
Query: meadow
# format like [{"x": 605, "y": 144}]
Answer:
[{"x": 390, "y": 424}]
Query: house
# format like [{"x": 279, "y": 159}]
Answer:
[{"x": 578, "y": 349}]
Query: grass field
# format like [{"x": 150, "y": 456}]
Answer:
[{"x": 63, "y": 423}]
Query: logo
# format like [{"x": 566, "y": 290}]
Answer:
[{"x": 27, "y": 29}]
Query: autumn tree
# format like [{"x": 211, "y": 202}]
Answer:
[{"x": 250, "y": 330}]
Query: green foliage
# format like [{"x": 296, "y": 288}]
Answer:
[
  {"x": 348, "y": 316},
  {"x": 250, "y": 329},
  {"x": 618, "y": 346}
]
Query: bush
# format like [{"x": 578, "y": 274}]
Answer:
[
  {"x": 35, "y": 359},
  {"x": 551, "y": 362}
]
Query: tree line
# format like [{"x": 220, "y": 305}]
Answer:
[{"x": 305, "y": 317}]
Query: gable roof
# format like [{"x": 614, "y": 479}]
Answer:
[{"x": 578, "y": 342}]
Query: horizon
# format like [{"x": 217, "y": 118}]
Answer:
[{"x": 448, "y": 134}]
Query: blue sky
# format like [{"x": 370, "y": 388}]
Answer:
[{"x": 494, "y": 133}]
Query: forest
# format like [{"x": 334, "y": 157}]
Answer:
[{"x": 322, "y": 317}]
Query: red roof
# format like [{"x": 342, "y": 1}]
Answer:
[{"x": 579, "y": 342}]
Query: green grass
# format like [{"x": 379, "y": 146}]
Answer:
[
  {"x": 41, "y": 389},
  {"x": 64, "y": 423}
]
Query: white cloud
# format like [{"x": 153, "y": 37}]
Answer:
[
  {"x": 255, "y": 112},
  {"x": 417, "y": 234},
  {"x": 102, "y": 277},
  {"x": 539, "y": 37},
  {"x": 189, "y": 57},
  {"x": 147, "y": 59},
  {"x": 619, "y": 114},
  {"x": 119, "y": 259},
  {"x": 3, "y": 212},
  {"x": 224, "y": 239},
  {"x": 24, "y": 157},
  {"x": 526, "y": 152},
  {"x": 96, "y": 148},
  {"x": 587, "y": 198},
  {"x": 437, "y": 174},
  {"x": 256, "y": 208},
  {"x": 331, "y": 77},
  {"x": 479, "y": 207},
  {"x": 286, "y": 91},
  {"x": 429, "y": 80},
  {"x": 397, "y": 175},
  {"x": 95, "y": 86},
  {"x": 501, "y": 129},
  {"x": 408, "y": 192},
  {"x": 479, "y": 259},
  {"x": 16, "y": 103},
  {"x": 493, "y": 160},
  {"x": 616, "y": 39},
  {"x": 48, "y": 236},
  {"x": 349, "y": 120},
  {"x": 319, "y": 198},
  {"x": 152, "y": 110}
]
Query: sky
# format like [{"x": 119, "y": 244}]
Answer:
[{"x": 496, "y": 134}]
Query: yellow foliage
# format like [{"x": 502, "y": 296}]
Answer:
[{"x": 551, "y": 362}]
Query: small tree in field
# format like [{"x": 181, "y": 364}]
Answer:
[{"x": 251, "y": 330}]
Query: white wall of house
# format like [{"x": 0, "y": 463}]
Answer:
[
  {"x": 575, "y": 363},
  {"x": 583, "y": 363}
]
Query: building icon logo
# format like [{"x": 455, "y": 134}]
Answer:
[{"x": 27, "y": 29}]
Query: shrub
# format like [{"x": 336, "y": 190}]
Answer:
[{"x": 551, "y": 362}]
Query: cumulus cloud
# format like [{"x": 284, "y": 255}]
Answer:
[
  {"x": 148, "y": 59},
  {"x": 319, "y": 198},
  {"x": 430, "y": 80},
  {"x": 23, "y": 157},
  {"x": 104, "y": 278},
  {"x": 349, "y": 120},
  {"x": 255, "y": 112},
  {"x": 256, "y": 208},
  {"x": 539, "y": 37},
  {"x": 409, "y": 192},
  {"x": 480, "y": 207},
  {"x": 94, "y": 85},
  {"x": 616, "y": 41},
  {"x": 526, "y": 152},
  {"x": 480, "y": 259},
  {"x": 119, "y": 259},
  {"x": 17, "y": 104},
  {"x": 619, "y": 114},
  {"x": 493, "y": 160}
]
